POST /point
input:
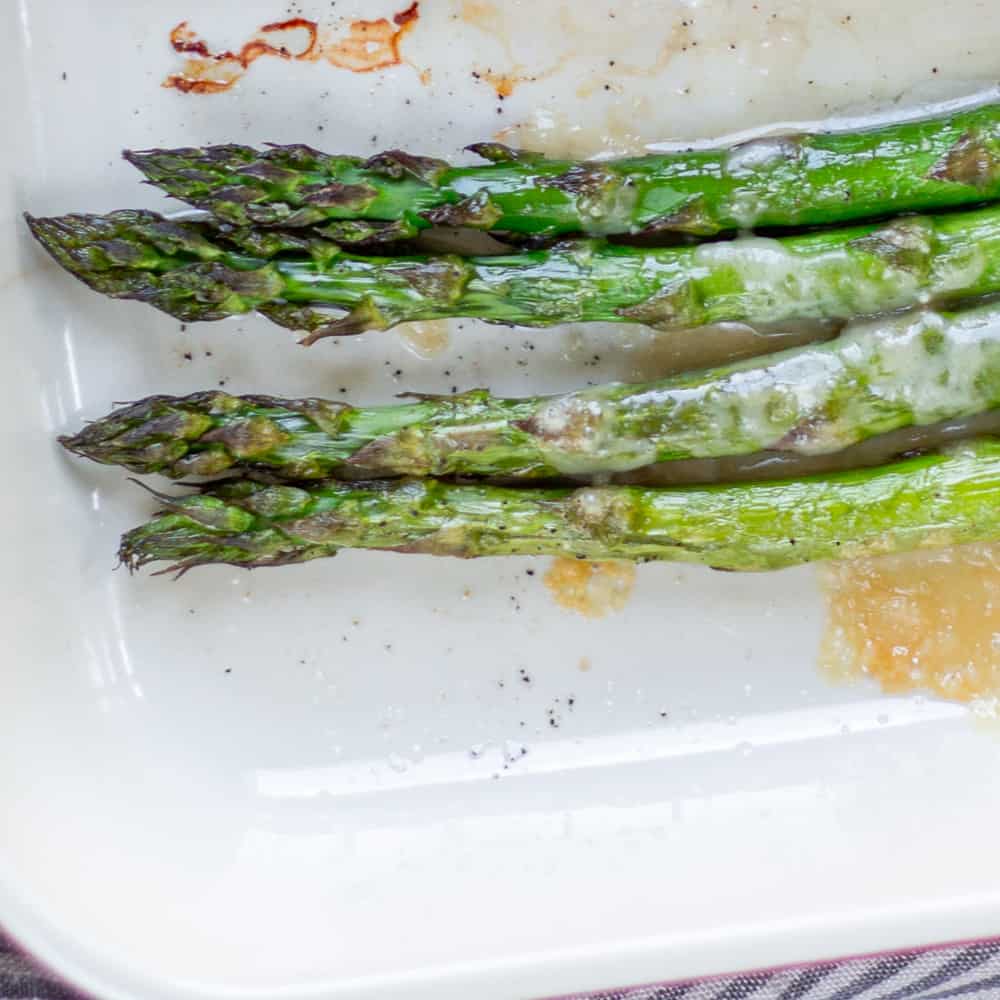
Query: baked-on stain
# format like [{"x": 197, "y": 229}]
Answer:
[
  {"x": 676, "y": 41},
  {"x": 591, "y": 589},
  {"x": 367, "y": 46},
  {"x": 558, "y": 134},
  {"x": 489, "y": 18},
  {"x": 918, "y": 622},
  {"x": 502, "y": 83}
]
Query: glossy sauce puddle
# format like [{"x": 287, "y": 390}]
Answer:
[
  {"x": 591, "y": 589},
  {"x": 424, "y": 338},
  {"x": 918, "y": 622}
]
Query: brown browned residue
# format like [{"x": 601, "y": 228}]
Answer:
[
  {"x": 502, "y": 83},
  {"x": 505, "y": 82},
  {"x": 371, "y": 45},
  {"x": 212, "y": 72},
  {"x": 918, "y": 622},
  {"x": 367, "y": 46},
  {"x": 591, "y": 589},
  {"x": 425, "y": 338}
]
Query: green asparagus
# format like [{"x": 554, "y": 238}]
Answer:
[
  {"x": 914, "y": 369},
  {"x": 196, "y": 273},
  {"x": 790, "y": 180},
  {"x": 944, "y": 498}
]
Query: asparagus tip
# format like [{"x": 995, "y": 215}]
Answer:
[
  {"x": 60, "y": 237},
  {"x": 72, "y": 442}
]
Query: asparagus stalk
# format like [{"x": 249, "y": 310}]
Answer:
[
  {"x": 790, "y": 180},
  {"x": 939, "y": 499},
  {"x": 878, "y": 376},
  {"x": 195, "y": 273}
]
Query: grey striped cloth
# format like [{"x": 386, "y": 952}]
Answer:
[
  {"x": 965, "y": 970},
  {"x": 924, "y": 974}
]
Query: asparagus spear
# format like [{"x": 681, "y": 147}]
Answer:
[
  {"x": 195, "y": 273},
  {"x": 789, "y": 180},
  {"x": 878, "y": 376},
  {"x": 939, "y": 499}
]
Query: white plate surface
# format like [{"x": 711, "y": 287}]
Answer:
[{"x": 292, "y": 783}]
